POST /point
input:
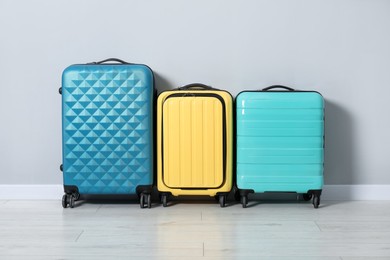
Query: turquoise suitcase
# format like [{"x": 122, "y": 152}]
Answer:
[
  {"x": 107, "y": 130},
  {"x": 280, "y": 142}
]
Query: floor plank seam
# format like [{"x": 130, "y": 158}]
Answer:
[
  {"x": 318, "y": 226},
  {"x": 82, "y": 231},
  {"x": 203, "y": 249},
  {"x": 201, "y": 216}
]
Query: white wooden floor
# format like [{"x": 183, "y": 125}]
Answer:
[{"x": 358, "y": 230}]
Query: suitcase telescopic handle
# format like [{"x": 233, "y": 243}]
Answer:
[
  {"x": 277, "y": 86},
  {"x": 110, "y": 60},
  {"x": 196, "y": 86}
]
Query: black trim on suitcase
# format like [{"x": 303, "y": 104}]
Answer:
[
  {"x": 146, "y": 189},
  {"x": 224, "y": 135}
]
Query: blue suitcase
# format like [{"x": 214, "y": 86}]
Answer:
[
  {"x": 107, "y": 130},
  {"x": 280, "y": 143}
]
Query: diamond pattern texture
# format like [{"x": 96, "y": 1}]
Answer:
[{"x": 107, "y": 113}]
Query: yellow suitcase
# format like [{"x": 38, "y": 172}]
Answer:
[{"x": 194, "y": 142}]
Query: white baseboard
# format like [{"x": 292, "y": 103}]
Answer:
[
  {"x": 330, "y": 192},
  {"x": 31, "y": 192},
  {"x": 356, "y": 192}
]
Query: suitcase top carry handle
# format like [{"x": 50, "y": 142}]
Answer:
[
  {"x": 110, "y": 60},
  {"x": 196, "y": 86},
  {"x": 277, "y": 86}
]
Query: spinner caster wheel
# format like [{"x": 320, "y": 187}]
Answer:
[
  {"x": 76, "y": 196},
  {"x": 244, "y": 201},
  {"x": 222, "y": 200},
  {"x": 71, "y": 201},
  {"x": 316, "y": 202},
  {"x": 164, "y": 199},
  {"x": 65, "y": 201},
  {"x": 142, "y": 200},
  {"x": 149, "y": 202}
]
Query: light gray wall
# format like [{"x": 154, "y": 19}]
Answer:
[{"x": 340, "y": 48}]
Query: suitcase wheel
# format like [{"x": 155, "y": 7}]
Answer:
[
  {"x": 244, "y": 201},
  {"x": 164, "y": 200},
  {"x": 149, "y": 201},
  {"x": 222, "y": 200},
  {"x": 76, "y": 196},
  {"x": 69, "y": 199},
  {"x": 65, "y": 201},
  {"x": 316, "y": 201},
  {"x": 145, "y": 198},
  {"x": 307, "y": 196}
]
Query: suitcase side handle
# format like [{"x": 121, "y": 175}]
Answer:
[
  {"x": 277, "y": 86},
  {"x": 110, "y": 60},
  {"x": 196, "y": 86}
]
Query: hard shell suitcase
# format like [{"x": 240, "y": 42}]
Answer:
[
  {"x": 280, "y": 142},
  {"x": 194, "y": 142},
  {"x": 107, "y": 130}
]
